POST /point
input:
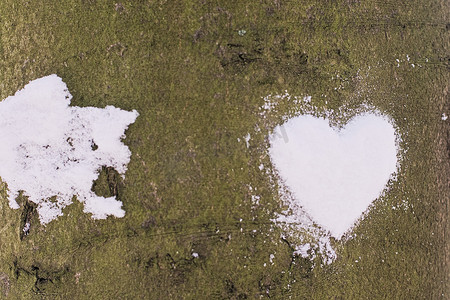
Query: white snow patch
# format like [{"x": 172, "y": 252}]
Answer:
[
  {"x": 335, "y": 175},
  {"x": 48, "y": 148},
  {"x": 444, "y": 117}
]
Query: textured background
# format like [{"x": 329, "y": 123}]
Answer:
[{"x": 197, "y": 81}]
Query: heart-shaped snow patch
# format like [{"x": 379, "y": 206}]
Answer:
[{"x": 335, "y": 174}]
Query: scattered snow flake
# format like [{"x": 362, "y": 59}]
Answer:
[
  {"x": 194, "y": 254},
  {"x": 303, "y": 250},
  {"x": 26, "y": 228},
  {"x": 46, "y": 148},
  {"x": 77, "y": 277},
  {"x": 322, "y": 247},
  {"x": 247, "y": 139},
  {"x": 271, "y": 257},
  {"x": 255, "y": 199},
  {"x": 444, "y": 117}
]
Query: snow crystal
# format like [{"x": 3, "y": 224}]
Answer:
[{"x": 48, "y": 148}]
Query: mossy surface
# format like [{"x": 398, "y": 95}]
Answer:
[{"x": 197, "y": 72}]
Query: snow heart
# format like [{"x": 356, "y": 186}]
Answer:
[{"x": 335, "y": 174}]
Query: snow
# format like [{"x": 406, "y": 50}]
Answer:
[
  {"x": 322, "y": 247},
  {"x": 303, "y": 250},
  {"x": 334, "y": 175},
  {"x": 26, "y": 228},
  {"x": 444, "y": 117},
  {"x": 247, "y": 140},
  {"x": 48, "y": 148}
]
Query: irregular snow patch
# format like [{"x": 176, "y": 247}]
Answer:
[
  {"x": 307, "y": 240},
  {"x": 48, "y": 148},
  {"x": 444, "y": 117}
]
